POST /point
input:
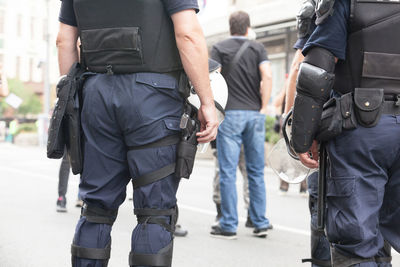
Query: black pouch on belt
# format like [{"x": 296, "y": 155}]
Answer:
[
  {"x": 368, "y": 105},
  {"x": 331, "y": 120},
  {"x": 347, "y": 110}
]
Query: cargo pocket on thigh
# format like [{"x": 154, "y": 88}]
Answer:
[{"x": 341, "y": 223}]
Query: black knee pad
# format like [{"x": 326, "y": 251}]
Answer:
[{"x": 156, "y": 216}]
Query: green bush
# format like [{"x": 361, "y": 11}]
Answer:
[
  {"x": 270, "y": 135},
  {"x": 31, "y": 102},
  {"x": 26, "y": 127}
]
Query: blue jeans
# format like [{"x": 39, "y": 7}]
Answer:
[{"x": 247, "y": 127}]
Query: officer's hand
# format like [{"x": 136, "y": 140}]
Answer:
[
  {"x": 208, "y": 123},
  {"x": 306, "y": 159}
]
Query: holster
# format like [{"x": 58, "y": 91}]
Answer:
[
  {"x": 187, "y": 147},
  {"x": 65, "y": 127}
]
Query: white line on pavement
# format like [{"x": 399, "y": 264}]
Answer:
[
  {"x": 243, "y": 219},
  {"x": 182, "y": 206}
]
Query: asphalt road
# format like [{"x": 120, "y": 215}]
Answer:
[{"x": 33, "y": 234}]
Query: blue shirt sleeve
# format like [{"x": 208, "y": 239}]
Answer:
[
  {"x": 300, "y": 43},
  {"x": 332, "y": 34}
]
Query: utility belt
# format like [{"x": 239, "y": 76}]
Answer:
[
  {"x": 65, "y": 128},
  {"x": 363, "y": 107}
]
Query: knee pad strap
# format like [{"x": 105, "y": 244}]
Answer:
[
  {"x": 99, "y": 215},
  {"x": 162, "y": 258},
  {"x": 91, "y": 253},
  {"x": 341, "y": 260},
  {"x": 154, "y": 216}
]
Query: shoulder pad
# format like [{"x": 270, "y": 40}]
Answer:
[
  {"x": 323, "y": 10},
  {"x": 304, "y": 18}
]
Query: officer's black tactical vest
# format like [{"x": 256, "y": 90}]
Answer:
[
  {"x": 126, "y": 36},
  {"x": 373, "y": 48}
]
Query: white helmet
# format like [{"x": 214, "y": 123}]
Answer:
[{"x": 218, "y": 87}]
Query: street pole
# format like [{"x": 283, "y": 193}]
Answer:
[
  {"x": 44, "y": 118},
  {"x": 47, "y": 65}
]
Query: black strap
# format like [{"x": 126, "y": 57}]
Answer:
[
  {"x": 383, "y": 259},
  {"x": 99, "y": 215},
  {"x": 145, "y": 216},
  {"x": 154, "y": 212},
  {"x": 153, "y": 176},
  {"x": 91, "y": 253},
  {"x": 156, "y": 220},
  {"x": 166, "y": 141},
  {"x": 162, "y": 258},
  {"x": 391, "y": 107},
  {"x": 238, "y": 55},
  {"x": 318, "y": 262}
]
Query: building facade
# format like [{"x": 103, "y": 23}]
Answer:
[{"x": 24, "y": 29}]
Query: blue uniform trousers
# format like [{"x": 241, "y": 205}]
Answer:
[
  {"x": 121, "y": 111},
  {"x": 320, "y": 251},
  {"x": 363, "y": 191}
]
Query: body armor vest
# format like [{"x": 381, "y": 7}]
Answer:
[
  {"x": 126, "y": 36},
  {"x": 373, "y": 48}
]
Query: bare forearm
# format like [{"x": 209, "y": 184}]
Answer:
[
  {"x": 266, "y": 85},
  {"x": 265, "y": 91},
  {"x": 193, "y": 52},
  {"x": 67, "y": 47},
  {"x": 66, "y": 57},
  {"x": 291, "y": 85}
]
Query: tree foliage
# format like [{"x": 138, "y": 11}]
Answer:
[{"x": 31, "y": 102}]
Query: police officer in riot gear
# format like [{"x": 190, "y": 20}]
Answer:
[
  {"x": 354, "y": 53},
  {"x": 136, "y": 52},
  {"x": 320, "y": 251}
]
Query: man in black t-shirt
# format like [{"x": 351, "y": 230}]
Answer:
[
  {"x": 129, "y": 115},
  {"x": 247, "y": 72}
]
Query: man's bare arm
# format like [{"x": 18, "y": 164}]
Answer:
[
  {"x": 67, "y": 47},
  {"x": 291, "y": 84},
  {"x": 265, "y": 86},
  {"x": 193, "y": 51}
]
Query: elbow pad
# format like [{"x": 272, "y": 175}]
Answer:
[
  {"x": 314, "y": 84},
  {"x": 304, "y": 18}
]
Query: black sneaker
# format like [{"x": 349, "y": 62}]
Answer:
[
  {"x": 179, "y": 231},
  {"x": 61, "y": 204},
  {"x": 260, "y": 232},
  {"x": 217, "y": 232}
]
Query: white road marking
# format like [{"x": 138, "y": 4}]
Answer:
[
  {"x": 243, "y": 219},
  {"x": 26, "y": 174}
]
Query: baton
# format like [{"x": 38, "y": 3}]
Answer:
[{"x": 322, "y": 187}]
